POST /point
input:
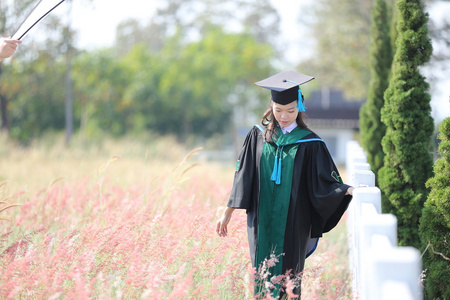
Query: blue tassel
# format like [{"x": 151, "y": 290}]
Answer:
[
  {"x": 275, "y": 169},
  {"x": 276, "y": 173},
  {"x": 279, "y": 172},
  {"x": 300, "y": 105}
]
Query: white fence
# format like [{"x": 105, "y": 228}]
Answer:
[{"x": 380, "y": 269}]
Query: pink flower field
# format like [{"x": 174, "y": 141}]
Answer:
[{"x": 98, "y": 236}]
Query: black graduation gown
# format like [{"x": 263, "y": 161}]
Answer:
[{"x": 317, "y": 200}]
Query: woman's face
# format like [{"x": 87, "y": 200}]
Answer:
[{"x": 285, "y": 114}]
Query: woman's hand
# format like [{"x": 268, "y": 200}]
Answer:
[
  {"x": 222, "y": 224},
  {"x": 350, "y": 191}
]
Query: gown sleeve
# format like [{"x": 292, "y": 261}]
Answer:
[
  {"x": 325, "y": 190},
  {"x": 242, "y": 192}
]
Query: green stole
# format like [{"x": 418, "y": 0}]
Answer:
[{"x": 274, "y": 198}]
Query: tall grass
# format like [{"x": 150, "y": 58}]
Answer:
[{"x": 126, "y": 220}]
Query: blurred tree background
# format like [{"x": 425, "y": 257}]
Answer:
[
  {"x": 187, "y": 71},
  {"x": 183, "y": 73}
]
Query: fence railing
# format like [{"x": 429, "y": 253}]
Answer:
[{"x": 380, "y": 269}]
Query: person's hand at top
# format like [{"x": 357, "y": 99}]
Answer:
[{"x": 8, "y": 47}]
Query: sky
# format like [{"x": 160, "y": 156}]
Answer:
[{"x": 96, "y": 23}]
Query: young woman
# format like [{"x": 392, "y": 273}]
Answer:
[{"x": 287, "y": 182}]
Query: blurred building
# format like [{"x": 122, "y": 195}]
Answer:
[{"x": 334, "y": 118}]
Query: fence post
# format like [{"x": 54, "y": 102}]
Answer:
[
  {"x": 361, "y": 196},
  {"x": 370, "y": 226},
  {"x": 399, "y": 265},
  {"x": 380, "y": 269}
]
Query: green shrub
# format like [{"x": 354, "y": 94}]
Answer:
[
  {"x": 371, "y": 128},
  {"x": 435, "y": 223},
  {"x": 409, "y": 125}
]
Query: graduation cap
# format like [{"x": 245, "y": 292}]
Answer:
[
  {"x": 285, "y": 87},
  {"x": 40, "y": 11}
]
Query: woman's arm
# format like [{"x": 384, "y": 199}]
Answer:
[{"x": 221, "y": 227}]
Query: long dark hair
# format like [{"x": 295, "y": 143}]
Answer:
[{"x": 271, "y": 124}]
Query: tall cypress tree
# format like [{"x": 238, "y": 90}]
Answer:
[
  {"x": 435, "y": 223},
  {"x": 371, "y": 128},
  {"x": 409, "y": 125}
]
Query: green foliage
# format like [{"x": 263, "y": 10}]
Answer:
[
  {"x": 183, "y": 89},
  {"x": 393, "y": 23},
  {"x": 36, "y": 90},
  {"x": 100, "y": 81},
  {"x": 213, "y": 69},
  {"x": 341, "y": 32},
  {"x": 11, "y": 14},
  {"x": 371, "y": 128},
  {"x": 409, "y": 125},
  {"x": 182, "y": 74},
  {"x": 435, "y": 222}
]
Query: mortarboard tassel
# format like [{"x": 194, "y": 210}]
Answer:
[{"x": 300, "y": 105}]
